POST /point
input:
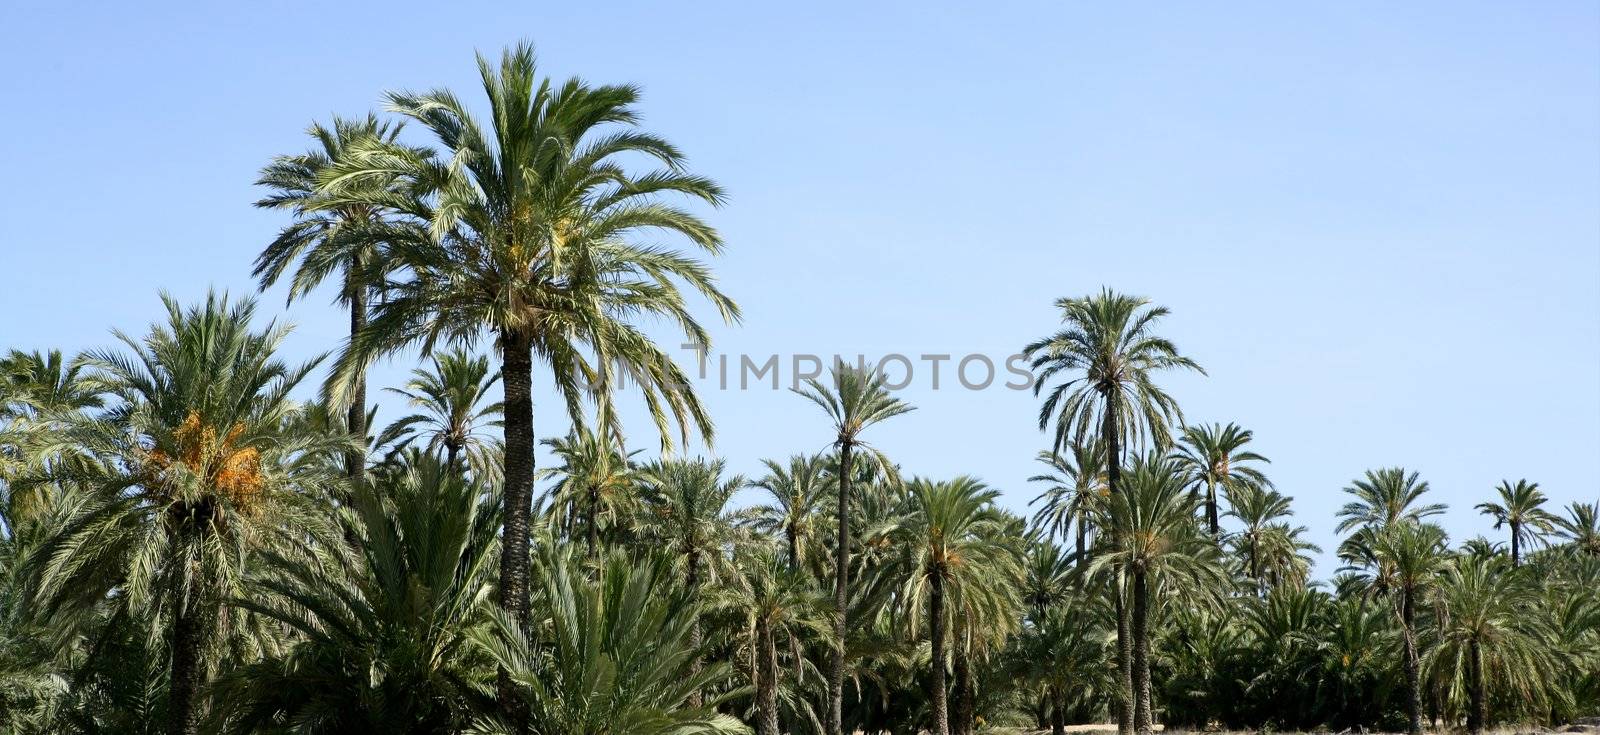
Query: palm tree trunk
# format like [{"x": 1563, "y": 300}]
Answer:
[
  {"x": 766, "y": 682},
  {"x": 1110, "y": 437},
  {"x": 1413, "y": 666},
  {"x": 1058, "y": 714},
  {"x": 593, "y": 516},
  {"x": 941, "y": 717},
  {"x": 1141, "y": 654},
  {"x": 962, "y": 720},
  {"x": 841, "y": 582},
  {"x": 1124, "y": 660},
  {"x": 1083, "y": 555},
  {"x": 1211, "y": 510},
  {"x": 1478, "y": 713},
  {"x": 517, "y": 381},
  {"x": 452, "y": 455},
  {"x": 1516, "y": 546},
  {"x": 190, "y": 627},
  {"x": 793, "y": 540},
  {"x": 355, "y": 463},
  {"x": 691, "y": 585}
]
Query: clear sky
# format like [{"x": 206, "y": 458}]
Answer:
[{"x": 1377, "y": 224}]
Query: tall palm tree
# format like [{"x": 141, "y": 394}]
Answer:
[
  {"x": 1271, "y": 548},
  {"x": 1108, "y": 355},
  {"x": 616, "y": 656},
  {"x": 40, "y": 392},
  {"x": 595, "y": 480},
  {"x": 949, "y": 558},
  {"x": 1519, "y": 509},
  {"x": 1215, "y": 457},
  {"x": 1151, "y": 539},
  {"x": 1385, "y": 497},
  {"x": 778, "y": 606},
  {"x": 453, "y": 399},
  {"x": 856, "y": 400},
  {"x": 1581, "y": 527},
  {"x": 326, "y": 237},
  {"x": 382, "y": 625},
  {"x": 1075, "y": 488},
  {"x": 687, "y": 513},
  {"x": 198, "y": 469},
  {"x": 525, "y": 228},
  {"x": 798, "y": 493},
  {"x": 1493, "y": 633},
  {"x": 1413, "y": 554}
]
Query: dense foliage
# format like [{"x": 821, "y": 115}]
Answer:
[{"x": 187, "y": 547}]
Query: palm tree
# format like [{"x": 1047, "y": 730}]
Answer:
[
  {"x": 1151, "y": 540},
  {"x": 617, "y": 657},
  {"x": 778, "y": 606},
  {"x": 1519, "y": 508},
  {"x": 950, "y": 556},
  {"x": 382, "y": 628},
  {"x": 452, "y": 399},
  {"x": 523, "y": 228},
  {"x": 1385, "y": 497},
  {"x": 687, "y": 513},
  {"x": 1109, "y": 355},
  {"x": 1271, "y": 549},
  {"x": 1581, "y": 527},
  {"x": 798, "y": 493},
  {"x": 1076, "y": 487},
  {"x": 40, "y": 393},
  {"x": 1413, "y": 555},
  {"x": 326, "y": 237},
  {"x": 1215, "y": 457},
  {"x": 198, "y": 469},
  {"x": 1046, "y": 580},
  {"x": 597, "y": 480},
  {"x": 856, "y": 401},
  {"x": 1492, "y": 634}
]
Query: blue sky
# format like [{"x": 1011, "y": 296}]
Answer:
[{"x": 1377, "y": 224}]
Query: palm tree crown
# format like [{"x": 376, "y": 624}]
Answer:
[{"x": 1519, "y": 509}]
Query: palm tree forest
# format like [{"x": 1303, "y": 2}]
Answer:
[{"x": 199, "y": 534}]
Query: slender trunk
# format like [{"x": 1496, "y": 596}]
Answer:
[
  {"x": 1478, "y": 713},
  {"x": 1516, "y": 545},
  {"x": 355, "y": 463},
  {"x": 452, "y": 456},
  {"x": 793, "y": 540},
  {"x": 191, "y": 621},
  {"x": 1110, "y": 437},
  {"x": 841, "y": 582},
  {"x": 766, "y": 682},
  {"x": 1413, "y": 665},
  {"x": 962, "y": 719},
  {"x": 1083, "y": 554},
  {"x": 941, "y": 718},
  {"x": 1124, "y": 659},
  {"x": 592, "y": 531},
  {"x": 517, "y": 380},
  {"x": 1255, "y": 566},
  {"x": 1141, "y": 654},
  {"x": 1211, "y": 510},
  {"x": 1058, "y": 713},
  {"x": 691, "y": 584}
]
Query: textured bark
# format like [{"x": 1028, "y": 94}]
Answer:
[
  {"x": 1478, "y": 712},
  {"x": 1211, "y": 510},
  {"x": 592, "y": 521},
  {"x": 766, "y": 682},
  {"x": 841, "y": 582},
  {"x": 941, "y": 717},
  {"x": 1111, "y": 438},
  {"x": 1142, "y": 722},
  {"x": 355, "y": 463},
  {"x": 1413, "y": 665},
  {"x": 191, "y": 623},
  {"x": 691, "y": 584},
  {"x": 1058, "y": 714},
  {"x": 1516, "y": 545},
  {"x": 962, "y": 717},
  {"x": 517, "y": 381},
  {"x": 794, "y": 546}
]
